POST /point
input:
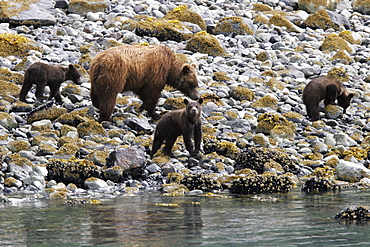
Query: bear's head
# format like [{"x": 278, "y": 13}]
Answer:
[
  {"x": 73, "y": 74},
  {"x": 344, "y": 100},
  {"x": 189, "y": 81},
  {"x": 193, "y": 108}
]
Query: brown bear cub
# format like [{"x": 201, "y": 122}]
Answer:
[
  {"x": 327, "y": 89},
  {"x": 141, "y": 69},
  {"x": 44, "y": 75},
  {"x": 186, "y": 122}
]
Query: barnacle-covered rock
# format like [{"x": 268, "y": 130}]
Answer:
[
  {"x": 205, "y": 43},
  {"x": 233, "y": 25},
  {"x": 359, "y": 213},
  {"x": 72, "y": 171},
  {"x": 205, "y": 182},
  {"x": 256, "y": 157},
  {"x": 261, "y": 184},
  {"x": 220, "y": 76},
  {"x": 316, "y": 184},
  {"x": 225, "y": 148}
]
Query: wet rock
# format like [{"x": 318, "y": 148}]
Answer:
[
  {"x": 141, "y": 125},
  {"x": 351, "y": 172},
  {"x": 95, "y": 184},
  {"x": 261, "y": 184},
  {"x": 130, "y": 159}
]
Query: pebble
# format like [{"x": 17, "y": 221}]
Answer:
[{"x": 292, "y": 58}]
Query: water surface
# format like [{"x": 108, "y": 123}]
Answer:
[{"x": 294, "y": 219}]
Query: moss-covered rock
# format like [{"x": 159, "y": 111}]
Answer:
[
  {"x": 334, "y": 43},
  {"x": 220, "y": 76},
  {"x": 281, "y": 21},
  {"x": 242, "y": 93},
  {"x": 338, "y": 73},
  {"x": 320, "y": 19},
  {"x": 273, "y": 122},
  {"x": 205, "y": 43},
  {"x": 361, "y": 6},
  {"x": 48, "y": 113},
  {"x": 82, "y": 7},
  {"x": 7, "y": 120},
  {"x": 16, "y": 45},
  {"x": 183, "y": 14},
  {"x": 342, "y": 55},
  {"x": 233, "y": 25},
  {"x": 91, "y": 128},
  {"x": 265, "y": 101},
  {"x": 311, "y": 6},
  {"x": 261, "y": 7},
  {"x": 162, "y": 29}
]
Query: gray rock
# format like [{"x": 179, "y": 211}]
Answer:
[
  {"x": 95, "y": 184},
  {"x": 351, "y": 172}
]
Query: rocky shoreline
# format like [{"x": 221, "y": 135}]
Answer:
[{"x": 254, "y": 59}]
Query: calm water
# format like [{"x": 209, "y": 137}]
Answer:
[{"x": 295, "y": 219}]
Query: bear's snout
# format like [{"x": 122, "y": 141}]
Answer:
[{"x": 194, "y": 95}]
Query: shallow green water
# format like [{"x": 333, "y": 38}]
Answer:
[{"x": 295, "y": 219}]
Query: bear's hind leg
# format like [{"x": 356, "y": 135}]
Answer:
[
  {"x": 157, "y": 142},
  {"x": 40, "y": 90},
  {"x": 54, "y": 93},
  {"x": 106, "y": 108},
  {"x": 24, "y": 91},
  {"x": 168, "y": 146}
]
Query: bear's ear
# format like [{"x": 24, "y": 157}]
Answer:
[
  {"x": 200, "y": 101},
  {"x": 186, "y": 101},
  {"x": 186, "y": 69},
  {"x": 71, "y": 66},
  {"x": 350, "y": 96},
  {"x": 194, "y": 65}
]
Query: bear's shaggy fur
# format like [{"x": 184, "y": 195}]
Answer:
[
  {"x": 44, "y": 75},
  {"x": 186, "y": 122},
  {"x": 327, "y": 89},
  {"x": 141, "y": 69}
]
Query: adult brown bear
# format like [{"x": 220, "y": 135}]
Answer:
[
  {"x": 141, "y": 69},
  {"x": 44, "y": 75},
  {"x": 327, "y": 89},
  {"x": 186, "y": 122}
]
